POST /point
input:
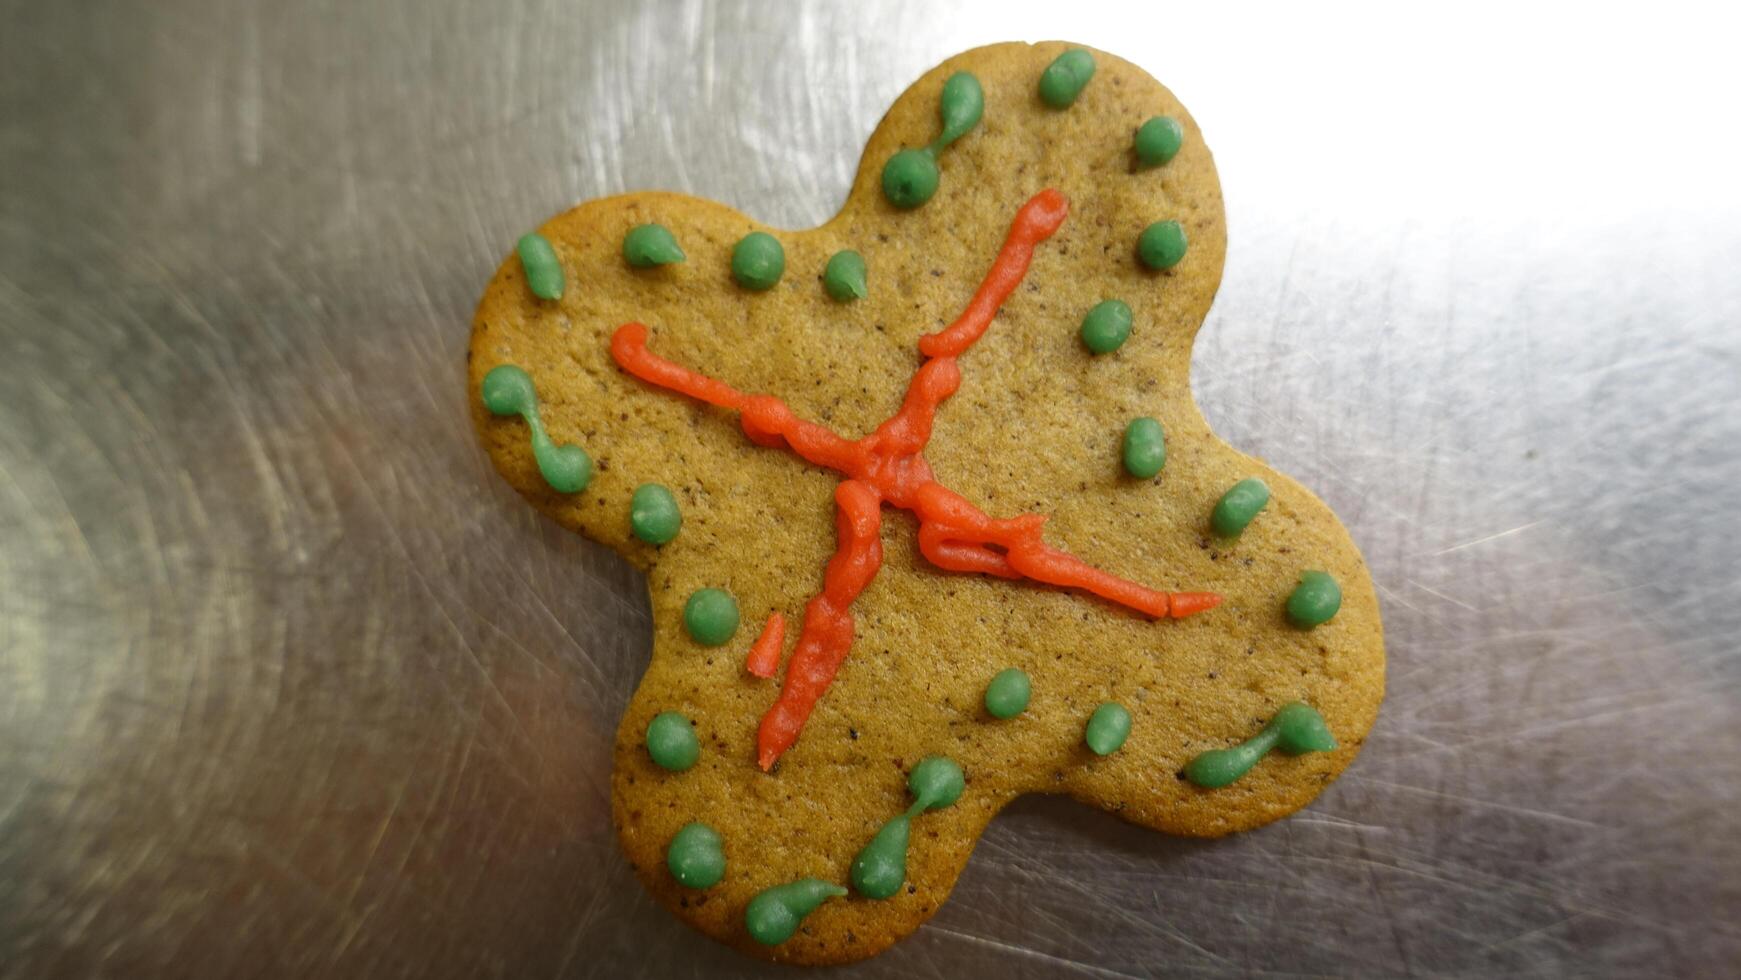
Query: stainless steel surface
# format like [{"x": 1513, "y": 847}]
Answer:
[{"x": 291, "y": 683}]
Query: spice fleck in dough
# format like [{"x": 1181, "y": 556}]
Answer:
[{"x": 1036, "y": 427}]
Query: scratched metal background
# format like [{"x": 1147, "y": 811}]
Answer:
[{"x": 292, "y": 684}]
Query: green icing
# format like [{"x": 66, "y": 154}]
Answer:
[
  {"x": 1295, "y": 729},
  {"x": 543, "y": 269},
  {"x": 1066, "y": 77},
  {"x": 1315, "y": 600},
  {"x": 653, "y": 514},
  {"x": 696, "y": 857},
  {"x": 646, "y": 246},
  {"x": 961, "y": 106},
  {"x": 936, "y": 782},
  {"x": 1158, "y": 140},
  {"x": 1106, "y": 327},
  {"x": 508, "y": 390},
  {"x": 773, "y": 915},
  {"x": 1161, "y": 245},
  {"x": 711, "y": 616},
  {"x": 844, "y": 278},
  {"x": 671, "y": 741},
  {"x": 1238, "y": 506},
  {"x": 1107, "y": 728},
  {"x": 758, "y": 261},
  {"x": 911, "y": 176},
  {"x": 1007, "y": 694},
  {"x": 1145, "y": 448},
  {"x": 880, "y": 868}
]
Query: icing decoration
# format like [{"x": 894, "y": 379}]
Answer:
[
  {"x": 1145, "y": 448},
  {"x": 1315, "y": 600},
  {"x": 1106, "y": 327},
  {"x": 911, "y": 176},
  {"x": 1107, "y": 728},
  {"x": 888, "y": 466},
  {"x": 764, "y": 656},
  {"x": 1238, "y": 506},
  {"x": 696, "y": 857},
  {"x": 758, "y": 261},
  {"x": 1295, "y": 729},
  {"x": 1007, "y": 694},
  {"x": 671, "y": 741},
  {"x": 1161, "y": 245},
  {"x": 844, "y": 276},
  {"x": 508, "y": 390},
  {"x": 646, "y": 246},
  {"x": 1158, "y": 140},
  {"x": 880, "y": 868},
  {"x": 711, "y": 616},
  {"x": 773, "y": 915},
  {"x": 1066, "y": 77},
  {"x": 654, "y": 516},
  {"x": 543, "y": 270}
]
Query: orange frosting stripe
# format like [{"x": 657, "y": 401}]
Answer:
[{"x": 888, "y": 466}]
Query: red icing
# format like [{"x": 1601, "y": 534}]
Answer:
[
  {"x": 888, "y": 466},
  {"x": 764, "y": 656}
]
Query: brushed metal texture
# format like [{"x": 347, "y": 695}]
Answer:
[{"x": 291, "y": 684}]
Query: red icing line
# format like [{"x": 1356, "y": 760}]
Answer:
[
  {"x": 888, "y": 466},
  {"x": 764, "y": 656}
]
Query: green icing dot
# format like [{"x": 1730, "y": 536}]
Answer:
[
  {"x": 646, "y": 246},
  {"x": 936, "y": 782},
  {"x": 961, "y": 106},
  {"x": 880, "y": 868},
  {"x": 671, "y": 741},
  {"x": 910, "y": 177},
  {"x": 1107, "y": 728},
  {"x": 1158, "y": 140},
  {"x": 1238, "y": 506},
  {"x": 543, "y": 269},
  {"x": 1315, "y": 600},
  {"x": 1064, "y": 79},
  {"x": 1145, "y": 448},
  {"x": 1161, "y": 245},
  {"x": 1106, "y": 327},
  {"x": 508, "y": 390},
  {"x": 1007, "y": 694},
  {"x": 844, "y": 277},
  {"x": 758, "y": 261},
  {"x": 1296, "y": 729},
  {"x": 773, "y": 915},
  {"x": 696, "y": 857},
  {"x": 711, "y": 616},
  {"x": 653, "y": 514}
]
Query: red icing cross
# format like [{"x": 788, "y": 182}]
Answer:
[{"x": 888, "y": 467}]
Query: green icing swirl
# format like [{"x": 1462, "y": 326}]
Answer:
[
  {"x": 774, "y": 914},
  {"x": 1296, "y": 729},
  {"x": 880, "y": 868},
  {"x": 911, "y": 176},
  {"x": 508, "y": 390}
]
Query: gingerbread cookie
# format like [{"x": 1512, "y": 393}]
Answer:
[{"x": 928, "y": 515}]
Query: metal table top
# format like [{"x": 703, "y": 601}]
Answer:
[{"x": 292, "y": 683}]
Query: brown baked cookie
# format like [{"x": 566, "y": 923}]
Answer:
[{"x": 832, "y": 451}]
